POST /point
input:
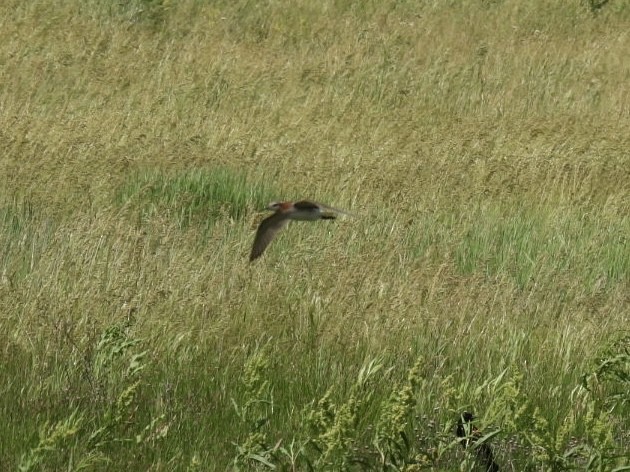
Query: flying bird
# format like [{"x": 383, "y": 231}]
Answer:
[{"x": 303, "y": 210}]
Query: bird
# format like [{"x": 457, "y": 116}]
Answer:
[
  {"x": 303, "y": 210},
  {"x": 469, "y": 435}
]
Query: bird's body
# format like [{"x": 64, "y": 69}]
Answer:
[
  {"x": 469, "y": 436},
  {"x": 284, "y": 212}
]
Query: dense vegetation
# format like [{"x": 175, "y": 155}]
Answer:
[{"x": 482, "y": 145}]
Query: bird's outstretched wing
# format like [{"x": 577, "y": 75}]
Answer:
[
  {"x": 326, "y": 209},
  {"x": 265, "y": 233}
]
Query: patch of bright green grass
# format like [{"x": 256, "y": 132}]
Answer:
[
  {"x": 519, "y": 242},
  {"x": 196, "y": 197}
]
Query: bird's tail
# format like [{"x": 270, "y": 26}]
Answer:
[{"x": 328, "y": 210}]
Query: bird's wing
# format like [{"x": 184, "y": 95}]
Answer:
[
  {"x": 309, "y": 205},
  {"x": 266, "y": 232}
]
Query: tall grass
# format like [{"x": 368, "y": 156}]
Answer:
[
  {"x": 197, "y": 198},
  {"x": 483, "y": 147}
]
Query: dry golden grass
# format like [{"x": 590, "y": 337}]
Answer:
[{"x": 482, "y": 145}]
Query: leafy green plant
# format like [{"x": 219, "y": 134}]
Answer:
[
  {"x": 55, "y": 440},
  {"x": 334, "y": 426},
  {"x": 604, "y": 397},
  {"x": 118, "y": 368},
  {"x": 392, "y": 437},
  {"x": 81, "y": 441},
  {"x": 254, "y": 412}
]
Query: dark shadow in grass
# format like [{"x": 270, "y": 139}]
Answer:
[{"x": 193, "y": 198}]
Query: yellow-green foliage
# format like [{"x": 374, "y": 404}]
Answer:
[{"x": 482, "y": 145}]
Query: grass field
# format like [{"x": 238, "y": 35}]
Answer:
[{"x": 484, "y": 148}]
